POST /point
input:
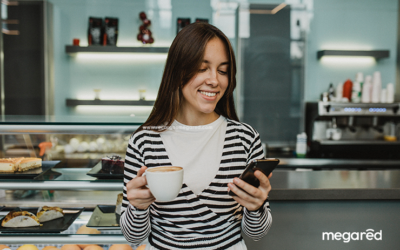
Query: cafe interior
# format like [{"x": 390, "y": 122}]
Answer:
[{"x": 318, "y": 79}]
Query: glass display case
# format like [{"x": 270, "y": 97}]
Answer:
[{"x": 73, "y": 147}]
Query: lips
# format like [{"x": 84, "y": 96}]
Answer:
[{"x": 209, "y": 96}]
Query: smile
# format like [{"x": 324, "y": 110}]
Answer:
[{"x": 210, "y": 94}]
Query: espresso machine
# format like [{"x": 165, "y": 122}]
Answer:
[{"x": 353, "y": 130}]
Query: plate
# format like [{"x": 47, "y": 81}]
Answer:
[
  {"x": 104, "y": 218},
  {"x": 97, "y": 172},
  {"x": 32, "y": 173},
  {"x": 52, "y": 226}
]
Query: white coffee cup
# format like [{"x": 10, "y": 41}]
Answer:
[{"x": 164, "y": 182}]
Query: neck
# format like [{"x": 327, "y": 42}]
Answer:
[{"x": 196, "y": 118}]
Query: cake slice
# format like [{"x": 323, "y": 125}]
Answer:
[
  {"x": 29, "y": 163},
  {"x": 7, "y": 166}
]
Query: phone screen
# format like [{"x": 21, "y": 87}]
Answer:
[{"x": 264, "y": 165}]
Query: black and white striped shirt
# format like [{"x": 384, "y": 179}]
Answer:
[{"x": 211, "y": 220}]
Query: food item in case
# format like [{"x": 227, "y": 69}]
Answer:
[
  {"x": 50, "y": 248},
  {"x": 20, "y": 219},
  {"x": 120, "y": 247},
  {"x": 112, "y": 164},
  {"x": 93, "y": 247},
  {"x": 86, "y": 230},
  {"x": 4, "y": 247},
  {"x": 49, "y": 213},
  {"x": 11, "y": 165},
  {"x": 70, "y": 247},
  {"x": 27, "y": 247},
  {"x": 8, "y": 166},
  {"x": 29, "y": 163}
]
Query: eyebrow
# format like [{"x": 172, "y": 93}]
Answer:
[{"x": 224, "y": 63}]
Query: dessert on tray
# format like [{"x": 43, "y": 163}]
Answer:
[
  {"x": 49, "y": 213},
  {"x": 112, "y": 164},
  {"x": 20, "y": 164},
  {"x": 20, "y": 219}
]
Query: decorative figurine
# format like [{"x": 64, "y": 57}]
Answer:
[{"x": 144, "y": 33}]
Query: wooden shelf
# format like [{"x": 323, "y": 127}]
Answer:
[
  {"x": 76, "y": 102},
  {"x": 378, "y": 54},
  {"x": 114, "y": 49}
]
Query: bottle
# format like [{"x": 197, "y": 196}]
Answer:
[
  {"x": 347, "y": 89},
  {"x": 366, "y": 90},
  {"x": 383, "y": 96},
  {"x": 339, "y": 92},
  {"x": 331, "y": 92},
  {"x": 301, "y": 145},
  {"x": 390, "y": 93},
  {"x": 357, "y": 85},
  {"x": 376, "y": 87}
]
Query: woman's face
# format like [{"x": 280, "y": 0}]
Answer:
[{"x": 205, "y": 89}]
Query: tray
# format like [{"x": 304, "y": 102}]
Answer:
[
  {"x": 97, "y": 172},
  {"x": 32, "y": 173},
  {"x": 52, "y": 226},
  {"x": 104, "y": 218}
]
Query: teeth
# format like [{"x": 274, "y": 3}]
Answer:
[{"x": 208, "y": 93}]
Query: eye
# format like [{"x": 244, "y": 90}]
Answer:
[
  {"x": 202, "y": 70},
  {"x": 222, "y": 72}
]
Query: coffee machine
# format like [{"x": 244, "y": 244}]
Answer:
[{"x": 353, "y": 130}]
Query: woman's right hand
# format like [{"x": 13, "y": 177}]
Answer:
[{"x": 137, "y": 192}]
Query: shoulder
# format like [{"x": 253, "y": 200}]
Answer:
[
  {"x": 143, "y": 135},
  {"x": 242, "y": 128}
]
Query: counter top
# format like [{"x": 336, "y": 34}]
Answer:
[
  {"x": 335, "y": 185},
  {"x": 316, "y": 164}
]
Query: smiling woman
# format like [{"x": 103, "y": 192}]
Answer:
[{"x": 194, "y": 125}]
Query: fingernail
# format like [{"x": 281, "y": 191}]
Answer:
[
  {"x": 230, "y": 185},
  {"x": 236, "y": 180}
]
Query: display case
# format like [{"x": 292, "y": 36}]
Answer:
[{"x": 67, "y": 184}]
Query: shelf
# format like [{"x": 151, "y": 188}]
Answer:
[
  {"x": 378, "y": 54},
  {"x": 63, "y": 239},
  {"x": 76, "y": 102},
  {"x": 67, "y": 129},
  {"x": 62, "y": 185},
  {"x": 114, "y": 49}
]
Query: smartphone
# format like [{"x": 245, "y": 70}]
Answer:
[{"x": 264, "y": 165}]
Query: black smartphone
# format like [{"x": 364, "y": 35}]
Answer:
[{"x": 264, "y": 165}]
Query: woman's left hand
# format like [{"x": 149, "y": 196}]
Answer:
[{"x": 253, "y": 198}]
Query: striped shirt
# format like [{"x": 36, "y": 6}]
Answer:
[{"x": 210, "y": 220}]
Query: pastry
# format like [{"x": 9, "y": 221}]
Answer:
[
  {"x": 49, "y": 213},
  {"x": 7, "y": 166},
  {"x": 20, "y": 219},
  {"x": 29, "y": 163}
]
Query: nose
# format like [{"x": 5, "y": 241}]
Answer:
[{"x": 212, "y": 79}]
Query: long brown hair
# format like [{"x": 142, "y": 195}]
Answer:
[{"x": 183, "y": 62}]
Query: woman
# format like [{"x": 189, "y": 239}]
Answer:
[{"x": 194, "y": 125}]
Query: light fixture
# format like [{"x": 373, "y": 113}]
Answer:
[
  {"x": 348, "y": 60},
  {"x": 377, "y": 54}
]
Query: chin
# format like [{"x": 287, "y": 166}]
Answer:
[{"x": 207, "y": 110}]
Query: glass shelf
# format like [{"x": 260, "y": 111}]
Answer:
[
  {"x": 11, "y": 124},
  {"x": 66, "y": 237},
  {"x": 71, "y": 179}
]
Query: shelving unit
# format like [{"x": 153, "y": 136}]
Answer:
[
  {"x": 76, "y": 102},
  {"x": 114, "y": 49}
]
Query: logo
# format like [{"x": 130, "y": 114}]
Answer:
[{"x": 369, "y": 234}]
